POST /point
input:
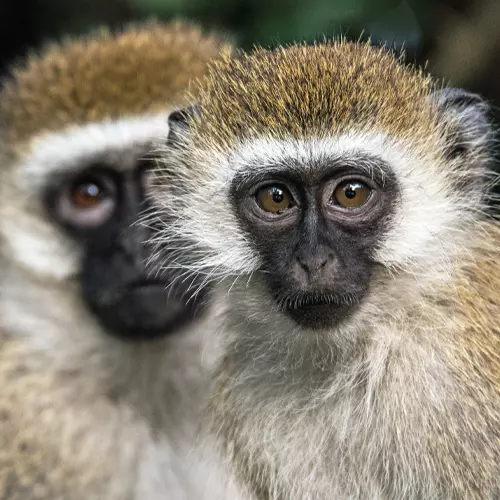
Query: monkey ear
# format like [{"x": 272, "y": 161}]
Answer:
[
  {"x": 466, "y": 119},
  {"x": 180, "y": 120}
]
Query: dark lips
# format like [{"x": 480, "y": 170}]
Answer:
[{"x": 319, "y": 311}]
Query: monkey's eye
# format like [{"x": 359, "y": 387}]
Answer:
[
  {"x": 87, "y": 194},
  {"x": 89, "y": 201},
  {"x": 351, "y": 194},
  {"x": 274, "y": 198}
]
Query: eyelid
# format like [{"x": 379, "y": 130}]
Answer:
[
  {"x": 255, "y": 188},
  {"x": 101, "y": 178},
  {"x": 332, "y": 184},
  {"x": 355, "y": 177}
]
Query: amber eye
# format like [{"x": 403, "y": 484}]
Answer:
[
  {"x": 88, "y": 201},
  {"x": 351, "y": 194},
  {"x": 274, "y": 199},
  {"x": 87, "y": 194}
]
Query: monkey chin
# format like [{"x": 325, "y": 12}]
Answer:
[{"x": 321, "y": 312}]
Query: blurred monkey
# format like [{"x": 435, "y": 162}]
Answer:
[{"x": 103, "y": 368}]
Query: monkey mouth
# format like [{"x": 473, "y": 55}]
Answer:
[
  {"x": 146, "y": 309},
  {"x": 318, "y": 310},
  {"x": 153, "y": 283},
  {"x": 313, "y": 300}
]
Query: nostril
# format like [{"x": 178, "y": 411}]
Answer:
[
  {"x": 323, "y": 264},
  {"x": 329, "y": 259},
  {"x": 302, "y": 264},
  {"x": 314, "y": 264}
]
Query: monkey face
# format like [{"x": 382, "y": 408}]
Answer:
[
  {"x": 285, "y": 164},
  {"x": 85, "y": 209},
  {"x": 100, "y": 208},
  {"x": 316, "y": 228}
]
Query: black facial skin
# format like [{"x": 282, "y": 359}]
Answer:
[
  {"x": 317, "y": 255},
  {"x": 116, "y": 283}
]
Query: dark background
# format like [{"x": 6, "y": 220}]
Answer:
[{"x": 459, "y": 39}]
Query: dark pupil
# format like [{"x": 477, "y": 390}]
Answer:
[
  {"x": 278, "y": 195},
  {"x": 351, "y": 191}
]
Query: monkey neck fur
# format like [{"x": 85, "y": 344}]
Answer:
[
  {"x": 150, "y": 377},
  {"x": 122, "y": 420},
  {"x": 360, "y": 411}
]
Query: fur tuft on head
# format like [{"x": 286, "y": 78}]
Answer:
[
  {"x": 104, "y": 76},
  {"x": 313, "y": 91}
]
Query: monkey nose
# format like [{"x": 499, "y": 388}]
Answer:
[
  {"x": 314, "y": 264},
  {"x": 315, "y": 267}
]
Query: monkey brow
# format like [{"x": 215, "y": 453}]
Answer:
[{"x": 313, "y": 169}]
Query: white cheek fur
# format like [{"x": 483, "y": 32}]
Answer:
[
  {"x": 421, "y": 232},
  {"x": 28, "y": 237}
]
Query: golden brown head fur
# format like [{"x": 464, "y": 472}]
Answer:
[
  {"x": 326, "y": 85},
  {"x": 142, "y": 70}
]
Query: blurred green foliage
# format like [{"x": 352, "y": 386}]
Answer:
[
  {"x": 265, "y": 22},
  {"x": 269, "y": 22}
]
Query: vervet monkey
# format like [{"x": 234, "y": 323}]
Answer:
[
  {"x": 338, "y": 195},
  {"x": 103, "y": 364}
]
